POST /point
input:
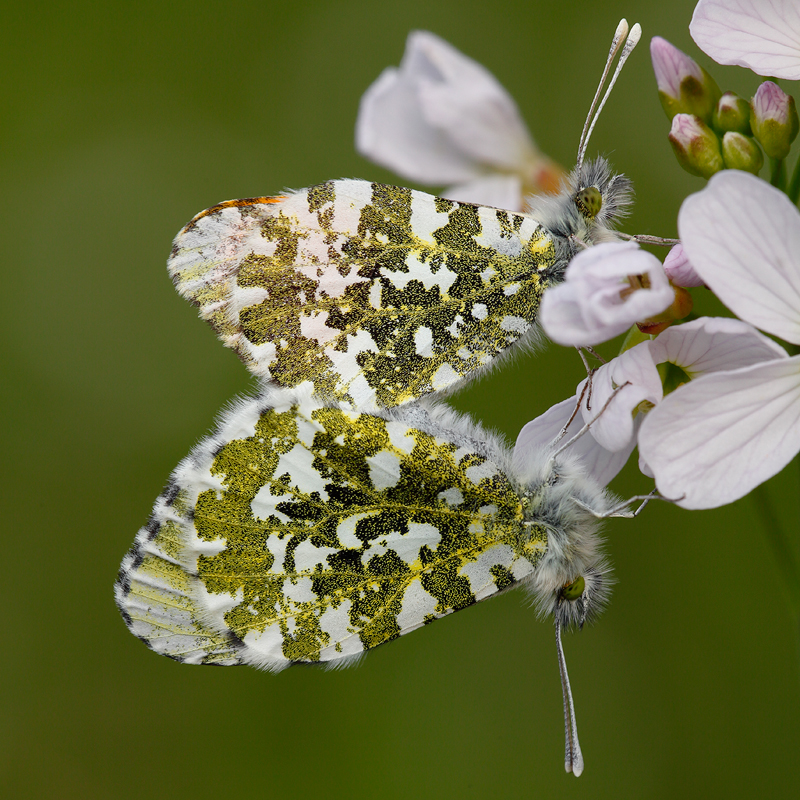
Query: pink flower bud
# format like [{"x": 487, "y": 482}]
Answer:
[
  {"x": 741, "y": 152},
  {"x": 773, "y": 119},
  {"x": 732, "y": 113},
  {"x": 684, "y": 87},
  {"x": 696, "y": 146}
]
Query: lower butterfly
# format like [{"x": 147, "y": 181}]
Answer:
[{"x": 303, "y": 533}]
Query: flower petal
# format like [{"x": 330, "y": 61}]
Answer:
[
  {"x": 644, "y": 468},
  {"x": 595, "y": 303},
  {"x": 538, "y": 436},
  {"x": 442, "y": 118},
  {"x": 629, "y": 379},
  {"x": 468, "y": 103},
  {"x": 762, "y": 35},
  {"x": 679, "y": 270},
  {"x": 713, "y": 440},
  {"x": 392, "y": 130},
  {"x": 498, "y": 191},
  {"x": 742, "y": 237},
  {"x": 713, "y": 344}
]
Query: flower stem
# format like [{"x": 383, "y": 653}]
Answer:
[
  {"x": 777, "y": 173},
  {"x": 784, "y": 556},
  {"x": 794, "y": 184}
]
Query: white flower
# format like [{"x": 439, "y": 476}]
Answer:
[
  {"x": 441, "y": 118},
  {"x": 600, "y": 298},
  {"x": 631, "y": 387},
  {"x": 713, "y": 440},
  {"x": 705, "y": 345},
  {"x": 762, "y": 35}
]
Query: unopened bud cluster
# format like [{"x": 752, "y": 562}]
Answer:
[{"x": 712, "y": 131}]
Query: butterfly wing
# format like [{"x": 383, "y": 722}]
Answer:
[
  {"x": 300, "y": 533},
  {"x": 374, "y": 294}
]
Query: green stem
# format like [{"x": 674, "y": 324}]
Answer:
[
  {"x": 794, "y": 184},
  {"x": 777, "y": 173},
  {"x": 784, "y": 556},
  {"x": 633, "y": 337}
]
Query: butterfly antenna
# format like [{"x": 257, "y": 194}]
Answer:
[
  {"x": 619, "y": 35},
  {"x": 630, "y": 42},
  {"x": 573, "y": 758}
]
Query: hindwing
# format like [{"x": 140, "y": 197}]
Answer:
[
  {"x": 305, "y": 533},
  {"x": 373, "y": 295}
]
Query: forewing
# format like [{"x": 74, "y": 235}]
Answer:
[
  {"x": 374, "y": 294},
  {"x": 299, "y": 533}
]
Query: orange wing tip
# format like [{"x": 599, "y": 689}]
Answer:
[{"x": 247, "y": 201}]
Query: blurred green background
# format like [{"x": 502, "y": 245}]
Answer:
[{"x": 120, "y": 121}]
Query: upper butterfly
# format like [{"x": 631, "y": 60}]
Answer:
[
  {"x": 375, "y": 295},
  {"x": 378, "y": 295}
]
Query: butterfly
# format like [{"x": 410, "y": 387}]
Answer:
[
  {"x": 301, "y": 532},
  {"x": 376, "y": 295}
]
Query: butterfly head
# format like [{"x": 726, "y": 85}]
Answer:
[
  {"x": 582, "y": 599},
  {"x": 572, "y": 580},
  {"x": 592, "y": 200},
  {"x": 601, "y": 198},
  {"x": 575, "y": 586}
]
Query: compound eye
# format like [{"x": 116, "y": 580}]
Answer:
[
  {"x": 574, "y": 590},
  {"x": 589, "y": 202}
]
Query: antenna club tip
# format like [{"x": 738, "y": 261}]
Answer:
[
  {"x": 630, "y": 43},
  {"x": 575, "y": 766}
]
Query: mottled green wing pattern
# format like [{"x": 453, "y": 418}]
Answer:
[
  {"x": 301, "y": 533},
  {"x": 374, "y": 295},
  {"x": 155, "y": 590}
]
